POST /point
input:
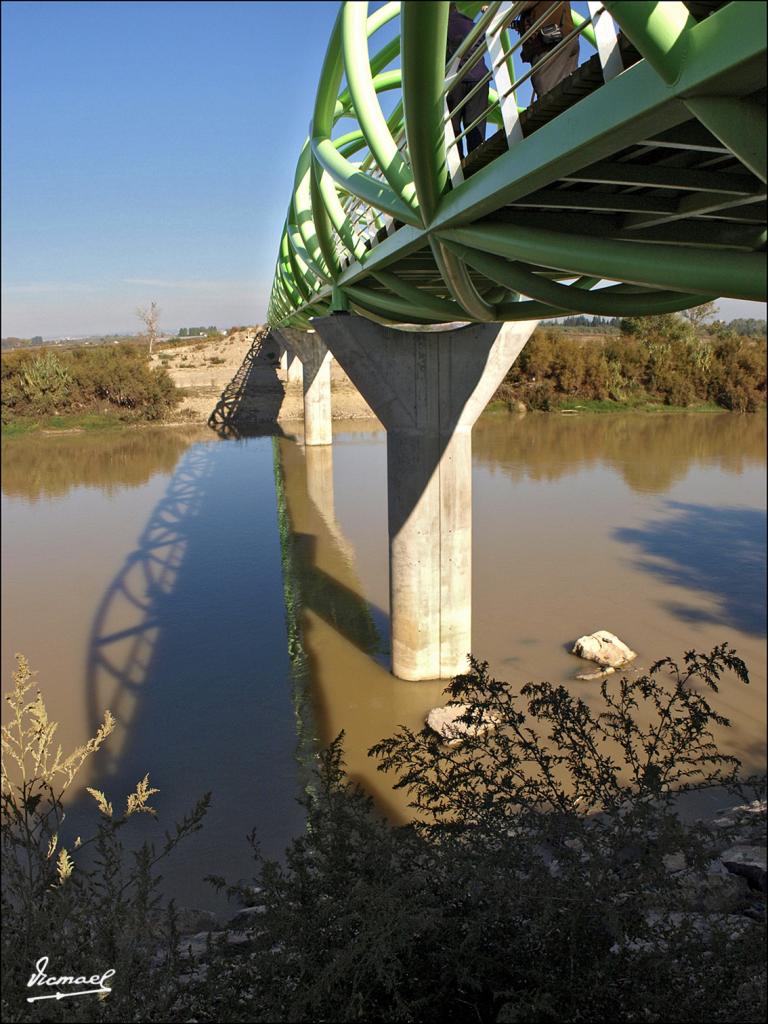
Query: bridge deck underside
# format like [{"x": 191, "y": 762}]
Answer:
[
  {"x": 681, "y": 187},
  {"x": 659, "y": 177}
]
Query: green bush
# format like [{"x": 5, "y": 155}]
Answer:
[
  {"x": 737, "y": 376},
  {"x": 117, "y": 378},
  {"x": 533, "y": 885},
  {"x": 656, "y": 358}
]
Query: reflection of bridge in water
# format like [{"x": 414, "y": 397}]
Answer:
[
  {"x": 334, "y": 634},
  {"x": 127, "y": 622},
  {"x": 634, "y": 186}
]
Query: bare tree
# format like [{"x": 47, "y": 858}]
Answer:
[
  {"x": 150, "y": 317},
  {"x": 698, "y": 316}
]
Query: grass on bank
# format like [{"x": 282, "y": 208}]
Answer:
[{"x": 100, "y": 422}]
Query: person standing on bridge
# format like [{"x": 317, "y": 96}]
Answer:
[
  {"x": 459, "y": 27},
  {"x": 557, "y": 24}
]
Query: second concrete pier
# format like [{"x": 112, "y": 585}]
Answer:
[{"x": 316, "y": 367}]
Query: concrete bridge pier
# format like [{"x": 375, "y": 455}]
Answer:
[
  {"x": 427, "y": 388},
  {"x": 316, "y": 372},
  {"x": 290, "y": 364}
]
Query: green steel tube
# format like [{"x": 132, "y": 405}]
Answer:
[
  {"x": 315, "y": 266},
  {"x": 366, "y": 104},
  {"x": 739, "y": 275},
  {"x": 392, "y": 304},
  {"x": 442, "y": 308},
  {"x": 297, "y": 276},
  {"x": 320, "y": 218},
  {"x": 302, "y": 205},
  {"x": 290, "y": 287},
  {"x": 659, "y": 30},
  {"x": 302, "y": 184},
  {"x": 378, "y": 63},
  {"x": 339, "y": 219},
  {"x": 424, "y": 29},
  {"x": 588, "y": 33},
  {"x": 456, "y": 277},
  {"x": 570, "y": 298},
  {"x": 375, "y": 193},
  {"x": 383, "y": 318}
]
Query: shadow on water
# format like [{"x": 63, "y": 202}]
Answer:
[
  {"x": 250, "y": 403},
  {"x": 716, "y": 551},
  {"x": 138, "y": 602},
  {"x": 183, "y": 651}
]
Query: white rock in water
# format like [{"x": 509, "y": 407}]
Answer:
[
  {"x": 604, "y": 648},
  {"x": 444, "y": 721}
]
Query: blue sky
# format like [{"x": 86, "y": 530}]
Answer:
[{"x": 148, "y": 153}]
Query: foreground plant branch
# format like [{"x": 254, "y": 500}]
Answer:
[
  {"x": 652, "y": 741},
  {"x": 546, "y": 876},
  {"x": 83, "y": 902}
]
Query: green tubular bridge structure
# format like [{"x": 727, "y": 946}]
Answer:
[{"x": 636, "y": 186}]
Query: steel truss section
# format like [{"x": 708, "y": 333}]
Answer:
[{"x": 635, "y": 186}]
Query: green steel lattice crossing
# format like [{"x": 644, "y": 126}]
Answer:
[{"x": 646, "y": 168}]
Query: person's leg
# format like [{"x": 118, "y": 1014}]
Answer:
[
  {"x": 472, "y": 110},
  {"x": 562, "y": 65}
]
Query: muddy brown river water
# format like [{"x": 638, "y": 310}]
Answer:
[{"x": 227, "y": 600}]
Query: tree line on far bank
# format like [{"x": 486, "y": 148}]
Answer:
[
  {"x": 749, "y": 327},
  {"x": 668, "y": 360}
]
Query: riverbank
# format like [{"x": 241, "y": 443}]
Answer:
[
  {"x": 83, "y": 387},
  {"x": 237, "y": 384},
  {"x": 602, "y": 406},
  {"x": 196, "y": 410}
]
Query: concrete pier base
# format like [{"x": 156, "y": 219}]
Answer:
[
  {"x": 427, "y": 388},
  {"x": 290, "y": 363},
  {"x": 291, "y": 366},
  {"x": 316, "y": 372}
]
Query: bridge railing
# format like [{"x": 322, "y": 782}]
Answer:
[
  {"x": 309, "y": 260},
  {"x": 490, "y": 39},
  {"x": 374, "y": 226}
]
